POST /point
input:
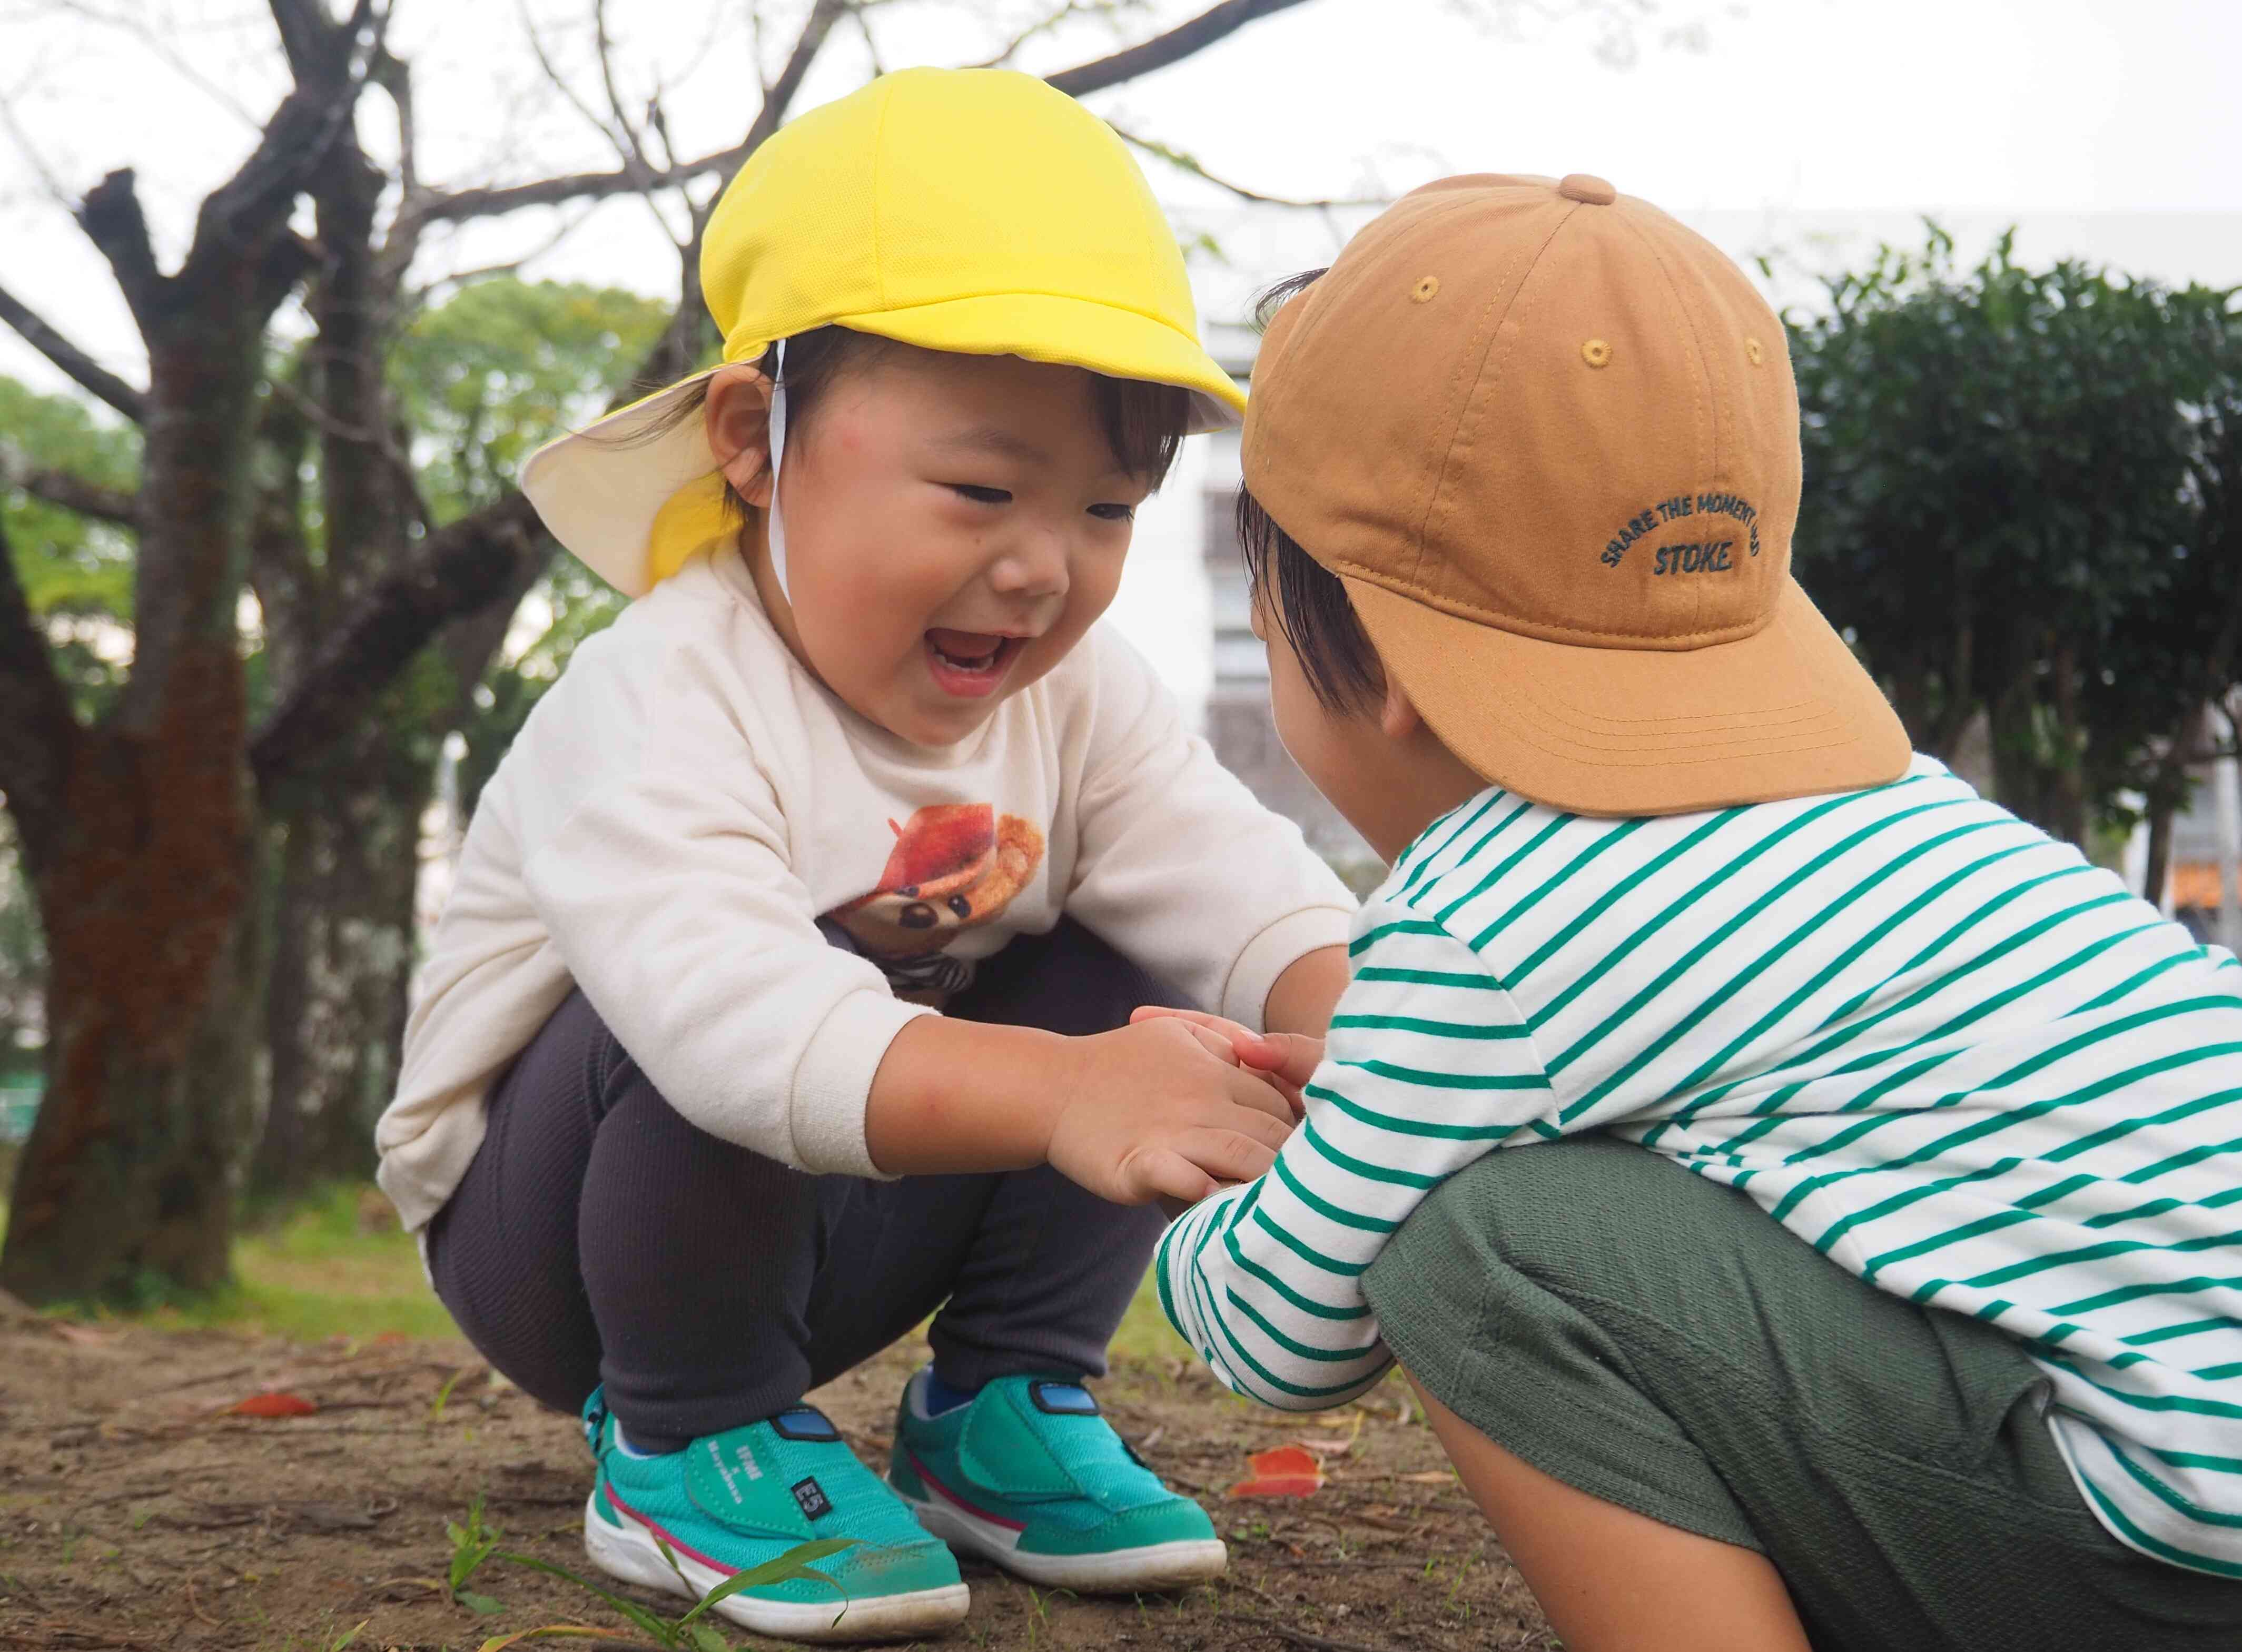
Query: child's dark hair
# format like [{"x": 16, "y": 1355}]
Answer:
[
  {"x": 1143, "y": 423},
  {"x": 1307, "y": 600}
]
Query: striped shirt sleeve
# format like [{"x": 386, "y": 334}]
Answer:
[{"x": 1429, "y": 1065}]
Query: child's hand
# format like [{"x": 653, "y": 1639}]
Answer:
[
  {"x": 1287, "y": 1060},
  {"x": 1161, "y": 1109}
]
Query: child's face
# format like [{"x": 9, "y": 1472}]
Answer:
[
  {"x": 954, "y": 524},
  {"x": 1380, "y": 767}
]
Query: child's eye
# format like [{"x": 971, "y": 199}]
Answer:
[
  {"x": 979, "y": 495},
  {"x": 1114, "y": 513}
]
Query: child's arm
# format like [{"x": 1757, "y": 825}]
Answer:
[
  {"x": 1429, "y": 1065},
  {"x": 1154, "y": 1110},
  {"x": 1306, "y": 994}
]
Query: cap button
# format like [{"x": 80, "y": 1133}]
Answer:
[{"x": 1583, "y": 186}]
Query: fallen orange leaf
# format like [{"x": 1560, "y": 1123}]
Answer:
[
  {"x": 271, "y": 1405},
  {"x": 1287, "y": 1472}
]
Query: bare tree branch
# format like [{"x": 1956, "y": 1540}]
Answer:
[
  {"x": 1184, "y": 161},
  {"x": 89, "y": 373},
  {"x": 1181, "y": 42},
  {"x": 455, "y": 571},
  {"x": 37, "y": 727},
  {"x": 71, "y": 493},
  {"x": 1043, "y": 25},
  {"x": 393, "y": 74},
  {"x": 617, "y": 127},
  {"x": 436, "y": 206},
  {"x": 165, "y": 53}
]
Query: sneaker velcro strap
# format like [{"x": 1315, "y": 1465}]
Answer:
[
  {"x": 1002, "y": 1446},
  {"x": 722, "y": 1472}
]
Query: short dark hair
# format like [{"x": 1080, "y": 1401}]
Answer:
[
  {"x": 1309, "y": 604},
  {"x": 1143, "y": 423}
]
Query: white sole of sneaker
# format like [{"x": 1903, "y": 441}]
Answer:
[
  {"x": 1154, "y": 1567},
  {"x": 629, "y": 1552}
]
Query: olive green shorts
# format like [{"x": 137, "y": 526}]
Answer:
[{"x": 1659, "y": 1342}]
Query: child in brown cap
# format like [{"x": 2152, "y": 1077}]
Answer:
[{"x": 1671, "y": 894}]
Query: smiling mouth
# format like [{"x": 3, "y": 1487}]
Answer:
[{"x": 969, "y": 664}]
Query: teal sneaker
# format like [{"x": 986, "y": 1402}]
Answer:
[
  {"x": 1031, "y": 1476},
  {"x": 736, "y": 1500}
]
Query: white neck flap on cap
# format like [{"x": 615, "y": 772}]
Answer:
[{"x": 774, "y": 528}]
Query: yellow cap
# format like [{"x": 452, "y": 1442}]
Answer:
[{"x": 975, "y": 210}]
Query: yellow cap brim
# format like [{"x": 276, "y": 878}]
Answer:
[{"x": 632, "y": 501}]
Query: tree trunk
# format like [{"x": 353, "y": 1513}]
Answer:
[
  {"x": 348, "y": 864},
  {"x": 145, "y": 870},
  {"x": 127, "y": 1183},
  {"x": 2158, "y": 870},
  {"x": 2011, "y": 720}
]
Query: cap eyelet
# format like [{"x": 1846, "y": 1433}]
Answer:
[
  {"x": 1423, "y": 292},
  {"x": 1753, "y": 353},
  {"x": 1596, "y": 353}
]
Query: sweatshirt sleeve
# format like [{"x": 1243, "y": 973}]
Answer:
[
  {"x": 657, "y": 857},
  {"x": 1429, "y": 1066},
  {"x": 1180, "y": 867}
]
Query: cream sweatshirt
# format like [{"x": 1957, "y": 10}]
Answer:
[{"x": 757, "y": 887}]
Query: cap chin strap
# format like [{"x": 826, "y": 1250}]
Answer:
[{"x": 773, "y": 527}]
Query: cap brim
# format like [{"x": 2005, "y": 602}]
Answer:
[
  {"x": 1069, "y": 332},
  {"x": 1786, "y": 712}
]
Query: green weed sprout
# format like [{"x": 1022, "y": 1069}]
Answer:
[{"x": 477, "y": 1542}]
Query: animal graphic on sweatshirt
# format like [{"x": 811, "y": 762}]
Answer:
[{"x": 954, "y": 867}]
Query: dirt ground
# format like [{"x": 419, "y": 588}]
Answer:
[{"x": 133, "y": 1513}]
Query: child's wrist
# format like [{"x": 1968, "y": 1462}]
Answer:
[{"x": 965, "y": 1098}]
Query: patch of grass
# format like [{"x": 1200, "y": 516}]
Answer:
[
  {"x": 318, "y": 1271},
  {"x": 1145, "y": 1333},
  {"x": 315, "y": 1274}
]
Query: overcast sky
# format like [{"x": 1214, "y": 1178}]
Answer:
[{"x": 2108, "y": 128}]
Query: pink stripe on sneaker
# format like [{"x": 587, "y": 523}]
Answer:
[
  {"x": 686, "y": 1549},
  {"x": 948, "y": 1496}
]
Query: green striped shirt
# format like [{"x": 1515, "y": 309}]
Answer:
[{"x": 1941, "y": 1049}]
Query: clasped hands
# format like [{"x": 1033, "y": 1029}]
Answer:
[{"x": 1179, "y": 1105}]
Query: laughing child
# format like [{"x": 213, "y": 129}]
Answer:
[
  {"x": 679, "y": 1117},
  {"x": 1671, "y": 895}
]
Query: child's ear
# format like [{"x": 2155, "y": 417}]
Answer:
[
  {"x": 1397, "y": 713},
  {"x": 737, "y": 418}
]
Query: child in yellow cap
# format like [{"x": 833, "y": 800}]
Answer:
[
  {"x": 782, "y": 997},
  {"x": 1670, "y": 894}
]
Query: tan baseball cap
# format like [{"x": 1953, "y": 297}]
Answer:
[{"x": 1548, "y": 439}]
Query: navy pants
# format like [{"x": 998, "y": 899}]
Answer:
[{"x": 598, "y": 1237}]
